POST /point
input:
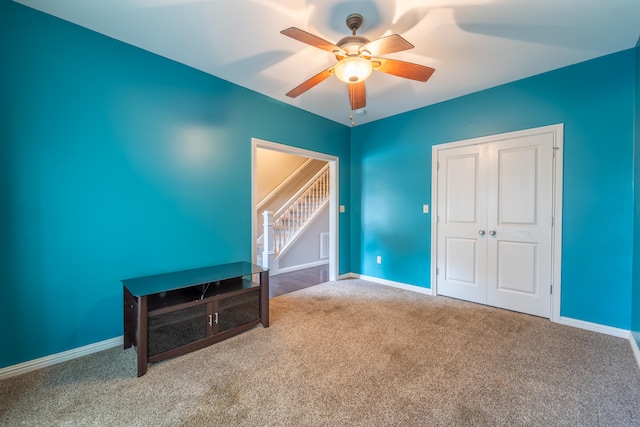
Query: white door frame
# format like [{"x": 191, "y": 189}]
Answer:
[
  {"x": 333, "y": 196},
  {"x": 556, "y": 239}
]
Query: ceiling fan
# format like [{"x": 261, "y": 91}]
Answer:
[{"x": 357, "y": 58}]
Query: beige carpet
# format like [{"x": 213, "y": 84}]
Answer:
[{"x": 352, "y": 353}]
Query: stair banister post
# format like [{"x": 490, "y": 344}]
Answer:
[{"x": 268, "y": 255}]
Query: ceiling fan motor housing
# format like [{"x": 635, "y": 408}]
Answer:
[
  {"x": 355, "y": 67},
  {"x": 352, "y": 44}
]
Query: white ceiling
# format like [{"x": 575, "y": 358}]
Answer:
[{"x": 472, "y": 44}]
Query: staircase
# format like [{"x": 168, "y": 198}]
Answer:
[{"x": 281, "y": 229}]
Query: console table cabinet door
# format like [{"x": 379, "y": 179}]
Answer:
[
  {"x": 177, "y": 328},
  {"x": 238, "y": 310}
]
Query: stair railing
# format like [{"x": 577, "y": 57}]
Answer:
[{"x": 300, "y": 208}]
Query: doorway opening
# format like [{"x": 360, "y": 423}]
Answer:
[{"x": 330, "y": 244}]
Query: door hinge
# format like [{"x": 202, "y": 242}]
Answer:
[
  {"x": 551, "y": 289},
  {"x": 555, "y": 149},
  {"x": 553, "y": 221},
  {"x": 437, "y": 271},
  {"x": 437, "y": 166}
]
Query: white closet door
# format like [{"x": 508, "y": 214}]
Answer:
[
  {"x": 462, "y": 219},
  {"x": 494, "y": 226},
  {"x": 519, "y": 223}
]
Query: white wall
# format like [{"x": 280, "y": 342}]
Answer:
[
  {"x": 273, "y": 167},
  {"x": 306, "y": 249}
]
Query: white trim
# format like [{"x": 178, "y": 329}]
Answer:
[
  {"x": 556, "y": 240},
  {"x": 595, "y": 327},
  {"x": 413, "y": 288},
  {"x": 43, "y": 362},
  {"x": 298, "y": 267},
  {"x": 556, "y": 245},
  {"x": 334, "y": 175},
  {"x": 635, "y": 348},
  {"x": 434, "y": 220}
]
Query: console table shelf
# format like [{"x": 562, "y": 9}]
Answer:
[{"x": 167, "y": 315}]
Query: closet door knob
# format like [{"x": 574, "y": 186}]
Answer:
[
  {"x": 492, "y": 232},
  {"x": 481, "y": 232}
]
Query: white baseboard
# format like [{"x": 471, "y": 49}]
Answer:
[
  {"x": 33, "y": 365},
  {"x": 413, "y": 288},
  {"x": 595, "y": 327},
  {"x": 608, "y": 330},
  {"x": 635, "y": 348},
  {"x": 276, "y": 271}
]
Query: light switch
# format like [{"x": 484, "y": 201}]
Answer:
[
  {"x": 342, "y": 209},
  {"x": 425, "y": 208}
]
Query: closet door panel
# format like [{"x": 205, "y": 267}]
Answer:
[
  {"x": 462, "y": 217},
  {"x": 519, "y": 223}
]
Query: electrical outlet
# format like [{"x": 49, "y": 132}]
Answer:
[
  {"x": 425, "y": 208},
  {"x": 379, "y": 259},
  {"x": 342, "y": 209}
]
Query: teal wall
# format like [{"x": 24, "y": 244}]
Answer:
[
  {"x": 635, "y": 303},
  {"x": 116, "y": 163},
  {"x": 391, "y": 179}
]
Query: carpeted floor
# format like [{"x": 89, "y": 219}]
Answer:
[{"x": 352, "y": 353}]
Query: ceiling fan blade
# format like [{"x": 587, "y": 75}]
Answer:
[
  {"x": 308, "y": 84},
  {"x": 388, "y": 44},
  {"x": 408, "y": 70},
  {"x": 357, "y": 95},
  {"x": 312, "y": 40}
]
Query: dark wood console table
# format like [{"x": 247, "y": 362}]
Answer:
[{"x": 171, "y": 314}]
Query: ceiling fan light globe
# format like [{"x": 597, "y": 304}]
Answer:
[{"x": 353, "y": 69}]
